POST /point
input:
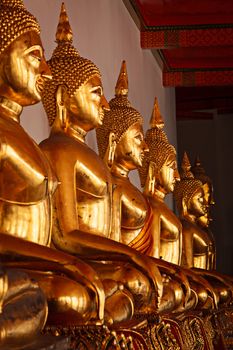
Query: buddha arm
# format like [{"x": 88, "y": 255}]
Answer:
[
  {"x": 17, "y": 252},
  {"x": 65, "y": 197},
  {"x": 175, "y": 272},
  {"x": 116, "y": 214},
  {"x": 197, "y": 278},
  {"x": 3, "y": 287},
  {"x": 187, "y": 260},
  {"x": 155, "y": 231},
  {"x": 22, "y": 254},
  {"x": 90, "y": 247},
  {"x": 225, "y": 279}
]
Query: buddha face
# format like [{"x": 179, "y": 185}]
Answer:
[
  {"x": 131, "y": 148},
  {"x": 168, "y": 174},
  {"x": 23, "y": 70},
  {"x": 208, "y": 191},
  {"x": 208, "y": 194},
  {"x": 86, "y": 107},
  {"x": 197, "y": 205}
]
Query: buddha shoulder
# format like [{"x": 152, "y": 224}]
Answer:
[{"x": 133, "y": 203}]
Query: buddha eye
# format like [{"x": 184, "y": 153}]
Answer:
[
  {"x": 172, "y": 165},
  {"x": 98, "y": 91},
  {"x": 37, "y": 58},
  {"x": 35, "y": 55},
  {"x": 139, "y": 137},
  {"x": 34, "y": 52}
]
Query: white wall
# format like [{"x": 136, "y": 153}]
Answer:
[{"x": 104, "y": 32}]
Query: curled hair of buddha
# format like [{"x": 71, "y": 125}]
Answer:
[
  {"x": 15, "y": 20},
  {"x": 199, "y": 172},
  {"x": 67, "y": 66},
  {"x": 187, "y": 186},
  {"x": 121, "y": 115},
  {"x": 159, "y": 147}
]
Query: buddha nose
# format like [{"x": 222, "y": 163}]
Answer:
[
  {"x": 212, "y": 201},
  {"x": 177, "y": 175},
  {"x": 104, "y": 103},
  {"x": 205, "y": 202},
  {"x": 45, "y": 70},
  {"x": 145, "y": 146}
]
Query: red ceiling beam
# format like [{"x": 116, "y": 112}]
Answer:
[
  {"x": 194, "y": 40},
  {"x": 163, "y": 39},
  {"x": 184, "y": 13},
  {"x": 197, "y": 78}
]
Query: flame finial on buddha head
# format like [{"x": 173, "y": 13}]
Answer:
[
  {"x": 122, "y": 85},
  {"x": 199, "y": 172}
]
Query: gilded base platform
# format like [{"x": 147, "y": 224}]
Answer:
[{"x": 213, "y": 331}]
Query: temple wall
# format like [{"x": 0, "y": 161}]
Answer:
[{"x": 105, "y": 33}]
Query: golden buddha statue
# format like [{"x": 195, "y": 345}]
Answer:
[
  {"x": 27, "y": 185},
  {"x": 191, "y": 203},
  {"x": 121, "y": 144},
  {"x": 75, "y": 104},
  {"x": 23, "y": 308},
  {"x": 205, "y": 220},
  {"x": 158, "y": 175},
  {"x": 122, "y": 128}
]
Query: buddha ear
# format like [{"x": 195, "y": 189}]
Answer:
[
  {"x": 61, "y": 109},
  {"x": 151, "y": 177},
  {"x": 184, "y": 207},
  {"x": 109, "y": 155}
]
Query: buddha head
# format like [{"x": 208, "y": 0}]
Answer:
[
  {"x": 23, "y": 69},
  {"x": 189, "y": 193},
  {"x": 75, "y": 95},
  {"x": 199, "y": 173},
  {"x": 121, "y": 135},
  {"x": 159, "y": 164}
]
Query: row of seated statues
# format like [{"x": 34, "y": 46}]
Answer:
[{"x": 80, "y": 245}]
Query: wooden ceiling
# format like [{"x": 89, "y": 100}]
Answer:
[{"x": 194, "y": 39}]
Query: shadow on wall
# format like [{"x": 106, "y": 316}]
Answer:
[{"x": 212, "y": 140}]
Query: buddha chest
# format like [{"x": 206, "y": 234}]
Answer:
[
  {"x": 25, "y": 173},
  {"x": 132, "y": 203},
  {"x": 26, "y": 182},
  {"x": 169, "y": 225}
]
